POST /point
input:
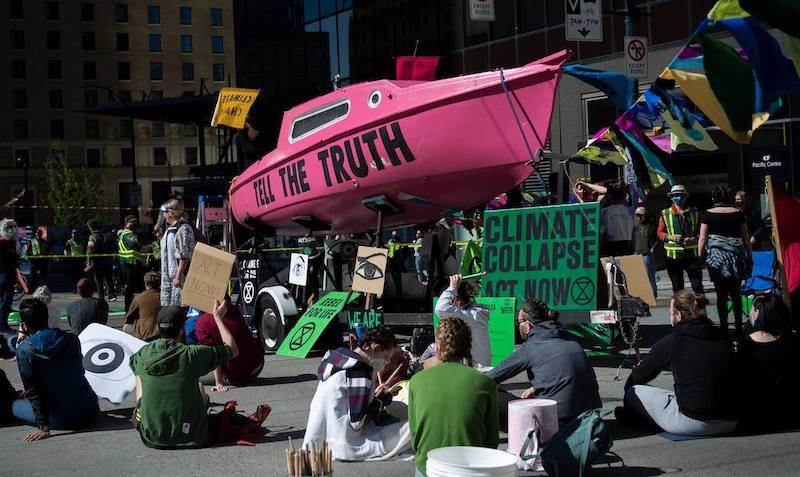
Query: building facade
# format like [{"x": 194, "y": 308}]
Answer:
[{"x": 63, "y": 56}]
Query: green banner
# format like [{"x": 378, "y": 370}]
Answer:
[
  {"x": 369, "y": 318},
  {"x": 502, "y": 325},
  {"x": 309, "y": 328},
  {"x": 548, "y": 253}
]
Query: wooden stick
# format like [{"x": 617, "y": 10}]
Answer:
[
  {"x": 394, "y": 373},
  {"x": 297, "y": 464},
  {"x": 291, "y": 446},
  {"x": 474, "y": 275},
  {"x": 288, "y": 463}
]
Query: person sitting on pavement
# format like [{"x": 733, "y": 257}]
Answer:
[
  {"x": 87, "y": 310},
  {"x": 347, "y": 404},
  {"x": 457, "y": 301},
  {"x": 8, "y": 394},
  {"x": 243, "y": 368},
  {"x": 171, "y": 405},
  {"x": 451, "y": 404},
  {"x": 140, "y": 321},
  {"x": 57, "y": 394},
  {"x": 705, "y": 401},
  {"x": 557, "y": 367},
  {"x": 769, "y": 358}
]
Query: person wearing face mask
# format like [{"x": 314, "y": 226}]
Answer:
[
  {"x": 556, "y": 365},
  {"x": 644, "y": 241},
  {"x": 9, "y": 271},
  {"x": 679, "y": 228},
  {"x": 347, "y": 403},
  {"x": 705, "y": 400},
  {"x": 177, "y": 247}
]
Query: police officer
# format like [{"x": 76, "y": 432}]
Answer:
[
  {"x": 679, "y": 228},
  {"x": 76, "y": 249},
  {"x": 39, "y": 266},
  {"x": 130, "y": 260}
]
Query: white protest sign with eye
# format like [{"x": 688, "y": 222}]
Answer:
[
  {"x": 298, "y": 269},
  {"x": 369, "y": 273},
  {"x": 106, "y": 358},
  {"x": 208, "y": 277}
]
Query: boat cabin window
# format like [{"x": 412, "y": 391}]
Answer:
[{"x": 318, "y": 119}]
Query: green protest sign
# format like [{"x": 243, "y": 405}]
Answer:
[
  {"x": 501, "y": 325},
  {"x": 548, "y": 253},
  {"x": 369, "y": 318},
  {"x": 309, "y": 328}
]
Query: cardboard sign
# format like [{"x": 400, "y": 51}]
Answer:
[
  {"x": 369, "y": 273},
  {"x": 502, "y": 325},
  {"x": 298, "y": 269},
  {"x": 233, "y": 104},
  {"x": 548, "y": 253},
  {"x": 369, "y": 318},
  {"x": 106, "y": 358},
  {"x": 635, "y": 277},
  {"x": 603, "y": 317},
  {"x": 208, "y": 277},
  {"x": 309, "y": 328}
]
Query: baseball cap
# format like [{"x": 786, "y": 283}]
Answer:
[{"x": 171, "y": 316}]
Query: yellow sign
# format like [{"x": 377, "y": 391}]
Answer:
[{"x": 233, "y": 104}]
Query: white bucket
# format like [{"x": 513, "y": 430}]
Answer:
[
  {"x": 526, "y": 414},
  {"x": 470, "y": 462}
]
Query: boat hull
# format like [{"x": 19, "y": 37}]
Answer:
[{"x": 444, "y": 147}]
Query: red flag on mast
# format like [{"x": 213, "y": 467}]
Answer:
[{"x": 417, "y": 68}]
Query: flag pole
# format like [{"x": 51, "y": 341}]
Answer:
[{"x": 776, "y": 237}]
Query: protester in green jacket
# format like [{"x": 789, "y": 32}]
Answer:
[
  {"x": 171, "y": 405},
  {"x": 452, "y": 404}
]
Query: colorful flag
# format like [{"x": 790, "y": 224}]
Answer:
[
  {"x": 787, "y": 208},
  {"x": 233, "y": 105},
  {"x": 620, "y": 89},
  {"x": 417, "y": 68},
  {"x": 684, "y": 127},
  {"x": 471, "y": 262}
]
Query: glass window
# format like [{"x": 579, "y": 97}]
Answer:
[
  {"x": 126, "y": 156},
  {"x": 186, "y": 44},
  {"x": 156, "y": 93},
  {"x": 310, "y": 10},
  {"x": 216, "y": 17},
  {"x": 19, "y": 99},
  {"x": 329, "y": 28},
  {"x": 555, "y": 12},
  {"x": 57, "y": 128},
  {"x": 123, "y": 70},
  {"x": 17, "y": 40},
  {"x": 503, "y": 26},
  {"x": 125, "y": 128},
  {"x": 54, "y": 69},
  {"x": 315, "y": 121},
  {"x": 89, "y": 70},
  {"x": 477, "y": 32},
  {"x": 600, "y": 112},
  {"x": 124, "y": 94},
  {"x": 87, "y": 41},
  {"x": 344, "y": 43},
  {"x": 154, "y": 42},
  {"x": 90, "y": 98},
  {"x": 190, "y": 153},
  {"x": 187, "y": 71},
  {"x": 160, "y": 156},
  {"x": 121, "y": 13},
  {"x": 217, "y": 45},
  {"x": 20, "y": 128},
  {"x": 156, "y": 71},
  {"x": 158, "y": 129},
  {"x": 187, "y": 93},
  {"x": 15, "y": 9},
  {"x": 87, "y": 12},
  {"x": 92, "y": 153},
  {"x": 123, "y": 43},
  {"x": 53, "y": 40},
  {"x": 92, "y": 128},
  {"x": 51, "y": 11},
  {"x": 18, "y": 69},
  {"x": 186, "y": 15},
  {"x": 327, "y": 7},
  {"x": 56, "y": 97},
  {"x": 153, "y": 14},
  {"x": 189, "y": 130},
  {"x": 219, "y": 72}
]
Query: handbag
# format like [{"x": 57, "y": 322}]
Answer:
[{"x": 572, "y": 450}]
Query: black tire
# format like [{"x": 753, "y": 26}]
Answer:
[{"x": 270, "y": 328}]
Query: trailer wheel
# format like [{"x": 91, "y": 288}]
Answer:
[{"x": 270, "y": 325}]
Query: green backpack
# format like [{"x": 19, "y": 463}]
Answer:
[{"x": 575, "y": 446}]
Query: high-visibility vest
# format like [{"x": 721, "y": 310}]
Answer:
[
  {"x": 157, "y": 250},
  {"x": 126, "y": 254},
  {"x": 36, "y": 247},
  {"x": 689, "y": 229}
]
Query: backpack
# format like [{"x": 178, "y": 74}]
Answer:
[
  {"x": 230, "y": 427},
  {"x": 573, "y": 449},
  {"x": 420, "y": 340}
]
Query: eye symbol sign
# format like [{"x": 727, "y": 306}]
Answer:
[
  {"x": 299, "y": 266},
  {"x": 104, "y": 358},
  {"x": 367, "y": 269}
]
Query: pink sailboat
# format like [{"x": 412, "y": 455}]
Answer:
[{"x": 420, "y": 150}]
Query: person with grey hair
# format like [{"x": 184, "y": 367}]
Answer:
[
  {"x": 9, "y": 271},
  {"x": 177, "y": 247}
]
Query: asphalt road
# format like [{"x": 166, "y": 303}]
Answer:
[{"x": 113, "y": 448}]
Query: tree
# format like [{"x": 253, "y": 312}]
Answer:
[{"x": 74, "y": 198}]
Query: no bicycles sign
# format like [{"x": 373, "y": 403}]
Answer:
[{"x": 636, "y": 56}]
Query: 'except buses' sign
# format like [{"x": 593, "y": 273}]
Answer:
[{"x": 548, "y": 253}]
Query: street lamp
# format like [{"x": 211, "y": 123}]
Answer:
[{"x": 24, "y": 162}]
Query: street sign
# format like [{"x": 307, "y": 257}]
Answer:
[
  {"x": 584, "y": 20},
  {"x": 635, "y": 56},
  {"x": 481, "y": 10}
]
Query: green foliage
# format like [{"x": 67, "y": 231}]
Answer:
[{"x": 67, "y": 191}]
